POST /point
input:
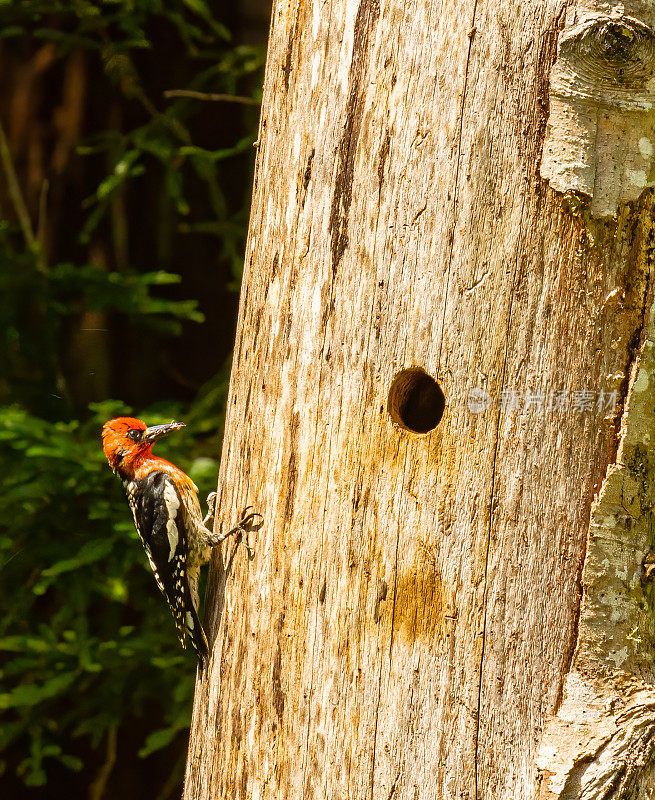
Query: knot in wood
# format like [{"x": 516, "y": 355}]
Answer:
[
  {"x": 621, "y": 43},
  {"x": 609, "y": 60}
]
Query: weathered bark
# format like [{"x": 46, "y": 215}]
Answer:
[{"x": 435, "y": 615}]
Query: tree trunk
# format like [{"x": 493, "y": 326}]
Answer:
[{"x": 441, "y": 606}]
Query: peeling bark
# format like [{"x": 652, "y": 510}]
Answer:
[
  {"x": 601, "y": 742},
  {"x": 601, "y": 129}
]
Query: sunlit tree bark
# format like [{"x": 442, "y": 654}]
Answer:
[{"x": 433, "y": 610}]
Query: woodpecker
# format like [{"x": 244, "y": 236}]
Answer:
[{"x": 168, "y": 519}]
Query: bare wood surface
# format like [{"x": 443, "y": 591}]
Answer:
[{"x": 412, "y": 609}]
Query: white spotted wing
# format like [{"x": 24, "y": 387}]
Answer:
[{"x": 157, "y": 509}]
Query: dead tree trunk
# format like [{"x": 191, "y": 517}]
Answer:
[{"x": 442, "y": 606}]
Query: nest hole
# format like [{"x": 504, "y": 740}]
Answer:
[{"x": 416, "y": 402}]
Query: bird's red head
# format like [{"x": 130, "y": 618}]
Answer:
[{"x": 127, "y": 442}]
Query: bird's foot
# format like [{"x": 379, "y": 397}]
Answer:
[
  {"x": 251, "y": 520},
  {"x": 211, "y": 506}
]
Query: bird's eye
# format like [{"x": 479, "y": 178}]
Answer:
[{"x": 135, "y": 435}]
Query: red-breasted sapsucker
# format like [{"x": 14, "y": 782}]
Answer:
[{"x": 166, "y": 511}]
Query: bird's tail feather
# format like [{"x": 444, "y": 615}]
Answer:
[{"x": 197, "y": 635}]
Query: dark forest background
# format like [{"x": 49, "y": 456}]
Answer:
[{"x": 124, "y": 199}]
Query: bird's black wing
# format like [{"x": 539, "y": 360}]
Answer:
[{"x": 157, "y": 508}]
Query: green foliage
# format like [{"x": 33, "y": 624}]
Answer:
[
  {"x": 35, "y": 305},
  {"x": 106, "y": 646},
  {"x": 86, "y": 643},
  {"x": 83, "y": 23},
  {"x": 116, "y": 33}
]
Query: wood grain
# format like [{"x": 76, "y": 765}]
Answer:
[{"x": 411, "y": 611}]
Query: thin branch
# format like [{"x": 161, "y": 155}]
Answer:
[
  {"x": 97, "y": 788},
  {"x": 41, "y": 228},
  {"x": 14, "y": 192},
  {"x": 223, "y": 98},
  {"x": 174, "y": 779}
]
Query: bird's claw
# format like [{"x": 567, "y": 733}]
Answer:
[
  {"x": 250, "y": 520},
  {"x": 211, "y": 506}
]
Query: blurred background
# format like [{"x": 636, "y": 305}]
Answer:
[{"x": 124, "y": 198}]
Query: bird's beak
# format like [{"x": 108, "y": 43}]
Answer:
[{"x": 155, "y": 432}]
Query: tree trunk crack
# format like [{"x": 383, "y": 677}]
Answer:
[{"x": 367, "y": 17}]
